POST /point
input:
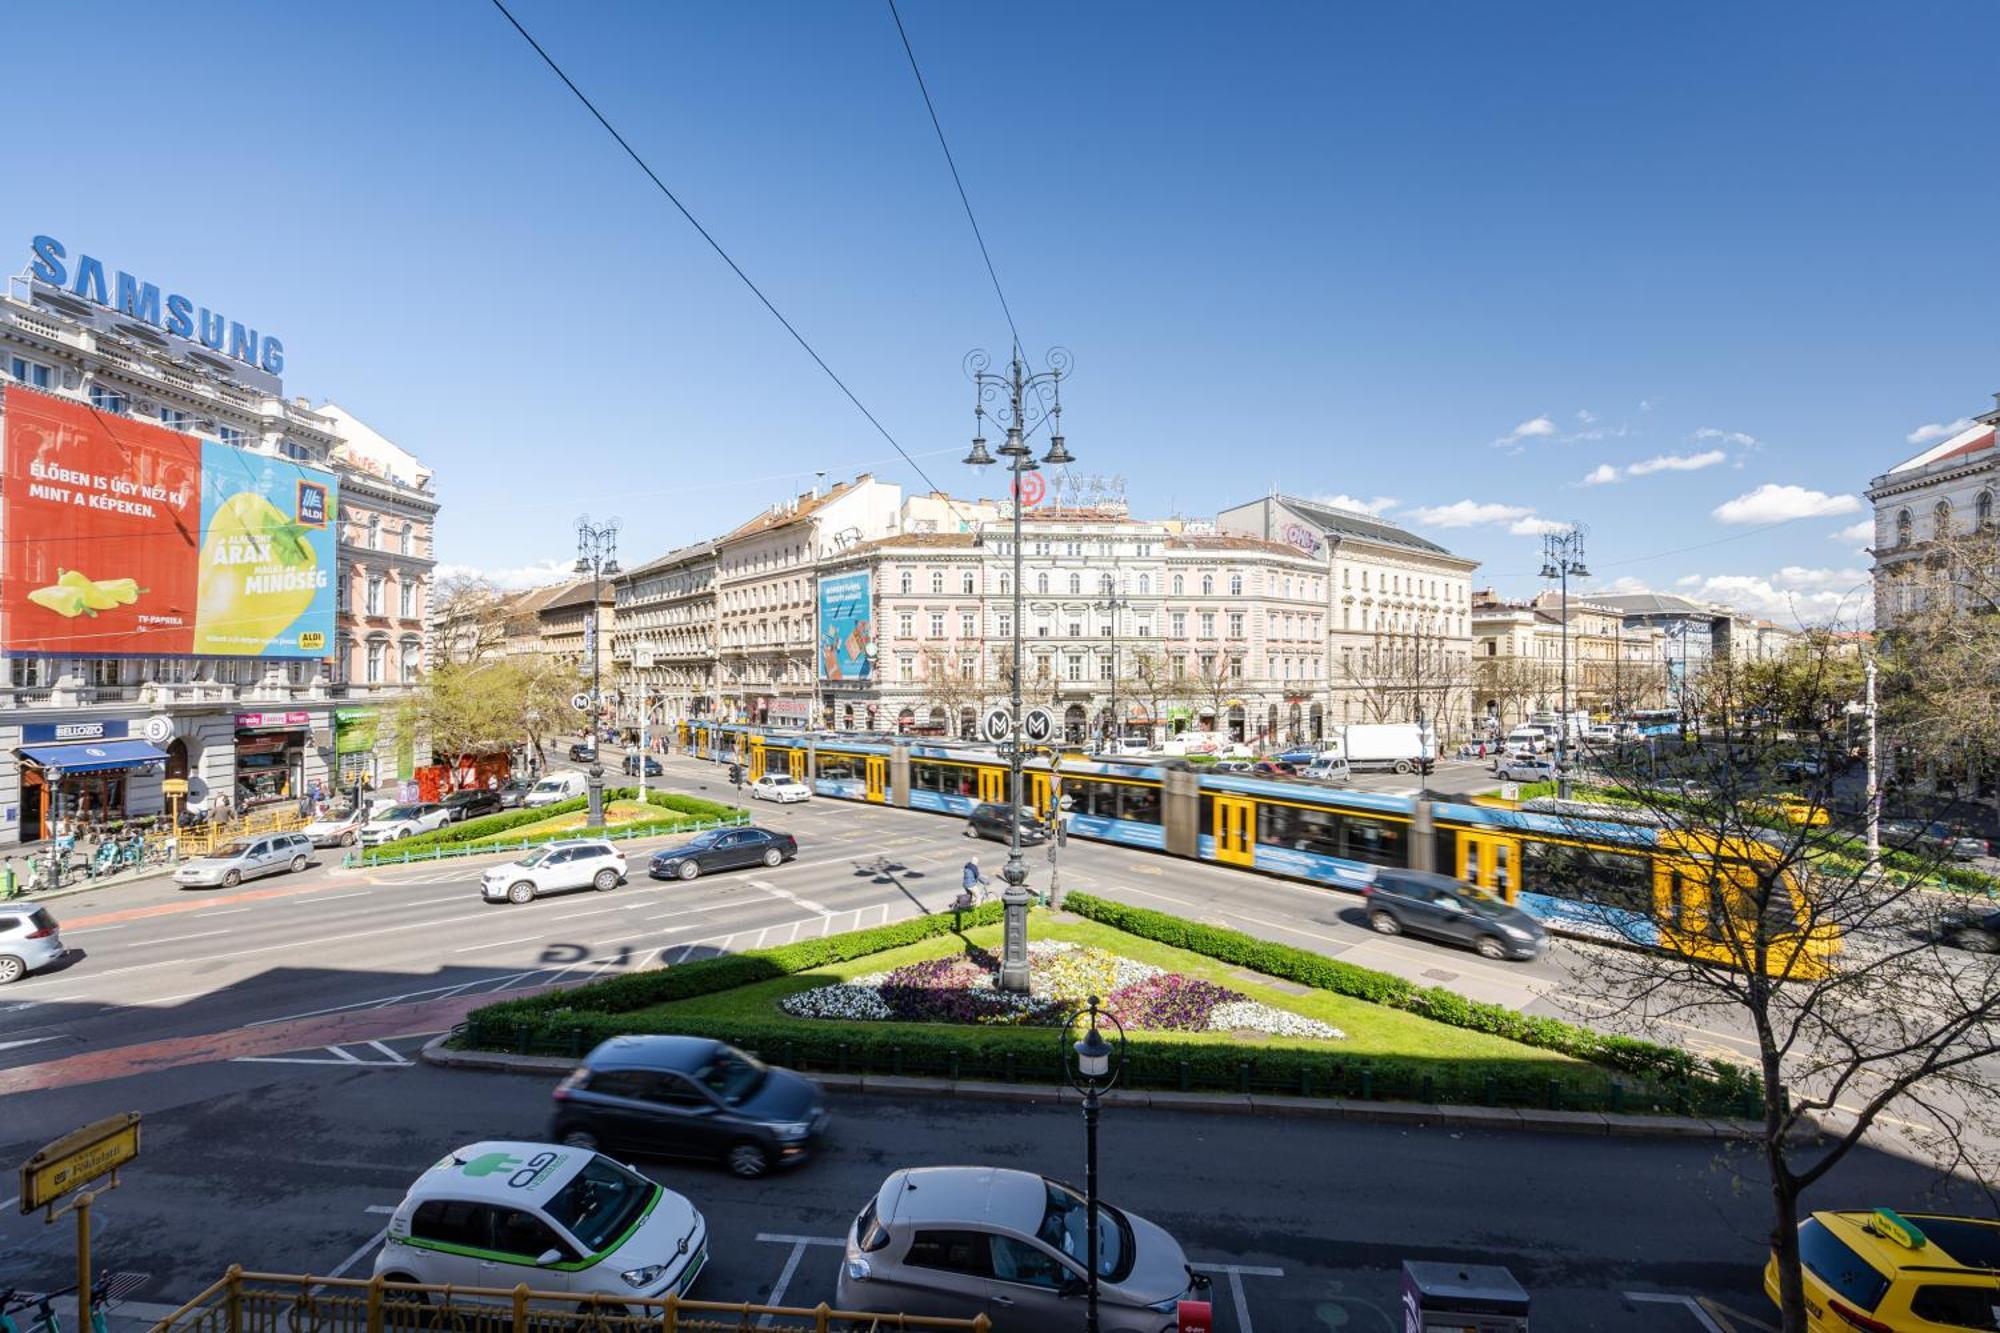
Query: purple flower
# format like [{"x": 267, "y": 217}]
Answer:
[{"x": 1169, "y": 1003}]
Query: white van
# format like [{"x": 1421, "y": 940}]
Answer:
[
  {"x": 556, "y": 787},
  {"x": 1527, "y": 740}
]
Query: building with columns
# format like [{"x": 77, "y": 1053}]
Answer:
[
  {"x": 1943, "y": 490},
  {"x": 664, "y": 637}
]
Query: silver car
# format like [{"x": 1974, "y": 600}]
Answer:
[
  {"x": 28, "y": 941},
  {"x": 247, "y": 858},
  {"x": 958, "y": 1240}
]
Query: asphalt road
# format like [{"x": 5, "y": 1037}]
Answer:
[{"x": 293, "y": 1172}]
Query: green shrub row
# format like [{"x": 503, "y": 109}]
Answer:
[
  {"x": 486, "y": 826},
  {"x": 1667, "y": 1064}
]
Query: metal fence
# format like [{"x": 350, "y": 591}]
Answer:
[{"x": 279, "y": 1303}]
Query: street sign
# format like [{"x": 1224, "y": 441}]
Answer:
[
  {"x": 77, "y": 1158},
  {"x": 998, "y": 725},
  {"x": 173, "y": 786},
  {"x": 158, "y": 730},
  {"x": 1510, "y": 791},
  {"x": 1039, "y": 725},
  {"x": 579, "y": 701}
]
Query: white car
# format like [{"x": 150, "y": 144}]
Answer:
[
  {"x": 555, "y": 787},
  {"x": 403, "y": 821},
  {"x": 496, "y": 1215},
  {"x": 779, "y": 787},
  {"x": 335, "y": 830},
  {"x": 555, "y": 867}
]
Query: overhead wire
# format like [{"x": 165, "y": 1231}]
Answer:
[{"x": 721, "y": 253}]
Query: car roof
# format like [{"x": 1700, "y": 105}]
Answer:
[
  {"x": 934, "y": 1195},
  {"x": 1950, "y": 1243},
  {"x": 499, "y": 1171},
  {"x": 686, "y": 1055}
]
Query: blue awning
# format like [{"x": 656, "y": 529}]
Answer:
[{"x": 93, "y": 756}]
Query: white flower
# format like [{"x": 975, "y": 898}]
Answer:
[
  {"x": 1249, "y": 1014},
  {"x": 836, "y": 1001}
]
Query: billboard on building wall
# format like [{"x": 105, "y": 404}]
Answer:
[
  {"x": 124, "y": 538},
  {"x": 846, "y": 631}
]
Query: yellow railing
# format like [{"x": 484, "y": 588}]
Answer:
[
  {"x": 274, "y": 819},
  {"x": 278, "y": 1303}
]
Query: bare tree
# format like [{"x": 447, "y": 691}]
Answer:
[
  {"x": 468, "y": 618},
  {"x": 1152, "y": 681},
  {"x": 1407, "y": 677},
  {"x": 1772, "y": 924},
  {"x": 1512, "y": 684},
  {"x": 948, "y": 688},
  {"x": 1941, "y": 653}
]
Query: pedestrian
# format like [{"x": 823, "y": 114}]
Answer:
[
  {"x": 974, "y": 883},
  {"x": 493, "y": 782}
]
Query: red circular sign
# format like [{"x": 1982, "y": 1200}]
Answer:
[{"x": 1030, "y": 489}]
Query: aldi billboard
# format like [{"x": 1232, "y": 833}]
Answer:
[{"x": 126, "y": 539}]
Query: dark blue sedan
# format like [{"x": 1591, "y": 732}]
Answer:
[{"x": 723, "y": 849}]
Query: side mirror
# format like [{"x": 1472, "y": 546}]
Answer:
[{"x": 547, "y": 1257}]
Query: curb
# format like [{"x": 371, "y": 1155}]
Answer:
[{"x": 1411, "y": 1114}]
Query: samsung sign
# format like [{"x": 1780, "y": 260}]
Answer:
[{"x": 178, "y": 314}]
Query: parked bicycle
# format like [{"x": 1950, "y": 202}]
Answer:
[{"x": 46, "y": 1320}]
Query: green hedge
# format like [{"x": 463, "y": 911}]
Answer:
[
  {"x": 1666, "y": 1064},
  {"x": 684, "y": 810}
]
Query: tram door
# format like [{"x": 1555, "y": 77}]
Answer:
[
  {"x": 1491, "y": 862},
  {"x": 992, "y": 785},
  {"x": 1235, "y": 830},
  {"x": 756, "y": 759},
  {"x": 877, "y": 772},
  {"x": 797, "y": 766}
]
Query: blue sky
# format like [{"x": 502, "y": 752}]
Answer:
[{"x": 1449, "y": 260}]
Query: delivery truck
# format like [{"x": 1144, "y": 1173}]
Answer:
[{"x": 1398, "y": 746}]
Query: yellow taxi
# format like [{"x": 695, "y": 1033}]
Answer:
[{"x": 1882, "y": 1272}]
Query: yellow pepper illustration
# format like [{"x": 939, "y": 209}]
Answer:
[
  {"x": 60, "y": 598},
  {"x": 74, "y": 593},
  {"x": 94, "y": 597}
]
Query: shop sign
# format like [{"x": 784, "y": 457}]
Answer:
[
  {"x": 33, "y": 733},
  {"x": 254, "y": 721},
  {"x": 173, "y": 786},
  {"x": 141, "y": 300},
  {"x": 355, "y": 732}
]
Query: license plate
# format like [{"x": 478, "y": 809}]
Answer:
[{"x": 693, "y": 1270}]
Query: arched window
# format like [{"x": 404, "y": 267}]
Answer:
[
  {"x": 1075, "y": 584},
  {"x": 1941, "y": 519},
  {"x": 1006, "y": 585},
  {"x": 1107, "y": 585},
  {"x": 374, "y": 532},
  {"x": 907, "y": 585},
  {"x": 1145, "y": 584},
  {"x": 966, "y": 583},
  {"x": 409, "y": 541},
  {"x": 1983, "y": 509},
  {"x": 1207, "y": 585},
  {"x": 1042, "y": 583},
  {"x": 937, "y": 580},
  {"x": 1235, "y": 585},
  {"x": 1179, "y": 585},
  {"x": 1903, "y": 528}
]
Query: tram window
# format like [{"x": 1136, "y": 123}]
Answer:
[
  {"x": 1207, "y": 806},
  {"x": 1375, "y": 841},
  {"x": 1609, "y": 879},
  {"x": 1445, "y": 853},
  {"x": 960, "y": 780},
  {"x": 836, "y": 769},
  {"x": 1142, "y": 804},
  {"x": 923, "y": 777}
]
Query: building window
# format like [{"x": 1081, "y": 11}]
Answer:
[
  {"x": 1983, "y": 509},
  {"x": 408, "y": 541},
  {"x": 1207, "y": 585},
  {"x": 1107, "y": 585},
  {"x": 937, "y": 580},
  {"x": 1179, "y": 584},
  {"x": 1235, "y": 624},
  {"x": 374, "y": 604},
  {"x": 965, "y": 629},
  {"x": 341, "y": 599},
  {"x": 1107, "y": 667},
  {"x": 967, "y": 668},
  {"x": 905, "y": 625},
  {"x": 965, "y": 584},
  {"x": 1177, "y": 624},
  {"x": 1208, "y": 624},
  {"x": 1145, "y": 584},
  {"x": 291, "y": 448},
  {"x": 106, "y": 399},
  {"x": 1006, "y": 585},
  {"x": 1177, "y": 667},
  {"x": 1903, "y": 528},
  {"x": 1041, "y": 583},
  {"x": 1145, "y": 629},
  {"x": 1074, "y": 668},
  {"x": 32, "y": 373},
  {"x": 1005, "y": 624},
  {"x": 406, "y": 600},
  {"x": 1236, "y": 668},
  {"x": 375, "y": 655},
  {"x": 937, "y": 626},
  {"x": 1941, "y": 519},
  {"x": 1076, "y": 629},
  {"x": 413, "y": 660},
  {"x": 173, "y": 418},
  {"x": 1235, "y": 585},
  {"x": 1075, "y": 584},
  {"x": 906, "y": 669}
]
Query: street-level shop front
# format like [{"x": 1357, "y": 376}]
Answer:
[
  {"x": 271, "y": 752},
  {"x": 84, "y": 773}
]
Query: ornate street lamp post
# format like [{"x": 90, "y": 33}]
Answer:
[
  {"x": 1026, "y": 401},
  {"x": 1562, "y": 556},
  {"x": 597, "y": 556},
  {"x": 1093, "y": 1065}
]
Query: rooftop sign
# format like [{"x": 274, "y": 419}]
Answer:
[{"x": 141, "y": 300}]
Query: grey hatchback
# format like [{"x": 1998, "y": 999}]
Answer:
[{"x": 1423, "y": 903}]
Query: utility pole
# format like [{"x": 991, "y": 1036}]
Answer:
[
  {"x": 1874, "y": 795},
  {"x": 1027, "y": 400},
  {"x": 597, "y": 556},
  {"x": 1562, "y": 556}
]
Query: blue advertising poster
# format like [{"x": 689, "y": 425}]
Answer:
[
  {"x": 265, "y": 578},
  {"x": 846, "y": 606}
]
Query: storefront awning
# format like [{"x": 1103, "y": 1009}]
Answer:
[{"x": 93, "y": 757}]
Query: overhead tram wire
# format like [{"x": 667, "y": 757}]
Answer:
[
  {"x": 956, "y": 179},
  {"x": 716, "y": 246}
]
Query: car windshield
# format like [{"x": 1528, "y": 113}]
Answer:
[
  {"x": 704, "y": 839},
  {"x": 229, "y": 849},
  {"x": 734, "y": 1076},
  {"x": 601, "y": 1202},
  {"x": 549, "y": 784},
  {"x": 1064, "y": 1227},
  {"x": 534, "y": 858},
  {"x": 399, "y": 812}
]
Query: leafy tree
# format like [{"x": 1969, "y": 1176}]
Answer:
[{"x": 947, "y": 689}]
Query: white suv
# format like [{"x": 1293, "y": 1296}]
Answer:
[
  {"x": 779, "y": 787},
  {"x": 553, "y": 1218},
  {"x": 555, "y": 867}
]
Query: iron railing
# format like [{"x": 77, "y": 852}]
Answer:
[
  {"x": 243, "y": 1302},
  {"x": 387, "y": 853}
]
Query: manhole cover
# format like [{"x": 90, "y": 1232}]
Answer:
[{"x": 1439, "y": 974}]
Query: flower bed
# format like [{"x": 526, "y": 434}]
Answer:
[{"x": 964, "y": 988}]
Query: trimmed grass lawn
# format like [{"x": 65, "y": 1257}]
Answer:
[
  {"x": 1372, "y": 1030},
  {"x": 615, "y": 813}
]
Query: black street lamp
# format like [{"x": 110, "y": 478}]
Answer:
[
  {"x": 1028, "y": 400},
  {"x": 1093, "y": 1065},
  {"x": 1562, "y": 556},
  {"x": 1113, "y": 602},
  {"x": 597, "y": 556}
]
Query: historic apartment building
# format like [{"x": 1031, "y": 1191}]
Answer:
[{"x": 1945, "y": 489}]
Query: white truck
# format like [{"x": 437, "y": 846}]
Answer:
[{"x": 1399, "y": 746}]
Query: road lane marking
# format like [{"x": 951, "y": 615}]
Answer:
[
  {"x": 340, "y": 1269},
  {"x": 497, "y": 944},
  {"x": 384, "y": 1209},
  {"x": 27, "y": 1041},
  {"x": 791, "y": 1268},
  {"x": 334, "y": 897},
  {"x": 765, "y": 886},
  {"x": 198, "y": 935},
  {"x": 393, "y": 1055},
  {"x": 1693, "y": 1307},
  {"x": 1236, "y": 1274}
]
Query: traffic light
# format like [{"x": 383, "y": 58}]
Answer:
[
  {"x": 736, "y": 774},
  {"x": 1427, "y": 766}
]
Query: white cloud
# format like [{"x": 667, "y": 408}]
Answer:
[
  {"x": 1735, "y": 437},
  {"x": 1535, "y": 527},
  {"x": 1645, "y": 404},
  {"x": 1793, "y": 596},
  {"x": 1586, "y": 416},
  {"x": 1623, "y": 584},
  {"x": 1534, "y": 428},
  {"x": 1771, "y": 503},
  {"x": 534, "y": 575},
  {"x": 1864, "y": 531},
  {"x": 1466, "y": 514},
  {"x": 1374, "y": 506},
  {"x": 1938, "y": 430},
  {"x": 1602, "y": 475},
  {"x": 1677, "y": 463}
]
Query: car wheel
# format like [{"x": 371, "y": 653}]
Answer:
[
  {"x": 12, "y": 969},
  {"x": 298, "y": 863},
  {"x": 1491, "y": 946},
  {"x": 231, "y": 878},
  {"x": 604, "y": 1310},
  {"x": 689, "y": 870},
  {"x": 406, "y": 1297},
  {"x": 1402, "y": 765},
  {"x": 747, "y": 1160},
  {"x": 1384, "y": 923},
  {"x": 971, "y": 830},
  {"x": 521, "y": 893},
  {"x": 579, "y": 1138},
  {"x": 606, "y": 879},
  {"x": 347, "y": 838},
  {"x": 772, "y": 856},
  {"x": 1973, "y": 941}
]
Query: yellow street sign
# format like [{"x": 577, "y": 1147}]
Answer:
[
  {"x": 77, "y": 1158},
  {"x": 174, "y": 786}
]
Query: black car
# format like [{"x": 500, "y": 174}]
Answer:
[
  {"x": 723, "y": 849},
  {"x": 653, "y": 769},
  {"x": 990, "y": 821},
  {"x": 472, "y": 804},
  {"x": 1422, "y": 903},
  {"x": 1974, "y": 933},
  {"x": 689, "y": 1097},
  {"x": 514, "y": 793},
  {"x": 582, "y": 752}
]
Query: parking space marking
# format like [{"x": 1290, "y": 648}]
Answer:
[
  {"x": 791, "y": 1268},
  {"x": 336, "y": 1055},
  {"x": 1236, "y": 1274},
  {"x": 1692, "y": 1306}
]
